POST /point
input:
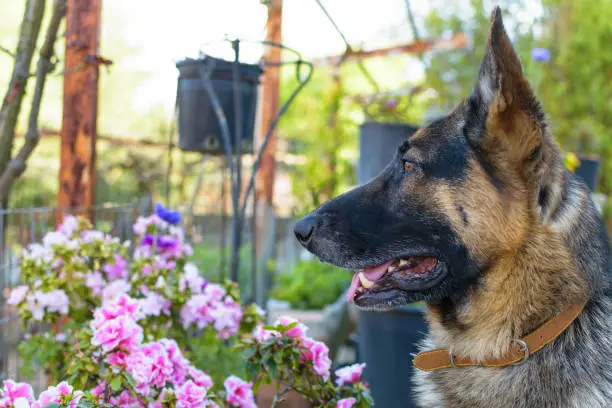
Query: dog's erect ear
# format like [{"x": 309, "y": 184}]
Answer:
[{"x": 502, "y": 98}]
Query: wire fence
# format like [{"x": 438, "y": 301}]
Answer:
[{"x": 206, "y": 231}]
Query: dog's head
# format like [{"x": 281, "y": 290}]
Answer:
[{"x": 459, "y": 194}]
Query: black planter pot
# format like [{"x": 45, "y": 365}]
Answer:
[
  {"x": 588, "y": 170},
  {"x": 198, "y": 125},
  {"x": 387, "y": 340}
]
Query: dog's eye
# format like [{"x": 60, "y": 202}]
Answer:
[{"x": 408, "y": 166}]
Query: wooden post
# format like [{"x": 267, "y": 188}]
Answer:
[
  {"x": 77, "y": 175},
  {"x": 264, "y": 181}
]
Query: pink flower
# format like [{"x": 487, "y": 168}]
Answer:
[
  {"x": 161, "y": 366},
  {"x": 141, "y": 369},
  {"x": 199, "y": 377},
  {"x": 346, "y": 403},
  {"x": 190, "y": 395},
  {"x": 239, "y": 392},
  {"x": 17, "y": 295},
  {"x": 179, "y": 363},
  {"x": 16, "y": 394},
  {"x": 349, "y": 375},
  {"x": 318, "y": 353},
  {"x": 117, "y": 359},
  {"x": 54, "y": 394},
  {"x": 262, "y": 335},
  {"x": 95, "y": 281},
  {"x": 120, "y": 332},
  {"x": 117, "y": 270},
  {"x": 297, "y": 332},
  {"x": 226, "y": 318},
  {"x": 125, "y": 400},
  {"x": 121, "y": 306}
]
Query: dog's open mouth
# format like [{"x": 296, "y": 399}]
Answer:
[{"x": 381, "y": 278}]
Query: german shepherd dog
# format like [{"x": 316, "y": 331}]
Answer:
[{"x": 477, "y": 216}]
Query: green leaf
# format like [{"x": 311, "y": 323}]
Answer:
[{"x": 116, "y": 384}]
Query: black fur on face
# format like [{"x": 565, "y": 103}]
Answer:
[{"x": 393, "y": 217}]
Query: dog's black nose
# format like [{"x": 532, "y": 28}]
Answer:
[{"x": 304, "y": 228}]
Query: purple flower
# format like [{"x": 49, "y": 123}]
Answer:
[
  {"x": 391, "y": 104},
  {"x": 170, "y": 216},
  {"x": 147, "y": 240},
  {"x": 540, "y": 54},
  {"x": 167, "y": 242}
]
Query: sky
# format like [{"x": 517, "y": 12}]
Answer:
[{"x": 164, "y": 35}]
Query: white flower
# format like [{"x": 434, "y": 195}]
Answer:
[
  {"x": 21, "y": 402},
  {"x": 191, "y": 278},
  {"x": 36, "y": 305},
  {"x": 38, "y": 253},
  {"x": 54, "y": 238},
  {"x": 140, "y": 227},
  {"x": 92, "y": 235},
  {"x": 17, "y": 295},
  {"x": 161, "y": 283},
  {"x": 114, "y": 290},
  {"x": 69, "y": 226},
  {"x": 56, "y": 301}
]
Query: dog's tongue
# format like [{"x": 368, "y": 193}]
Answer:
[{"x": 373, "y": 274}]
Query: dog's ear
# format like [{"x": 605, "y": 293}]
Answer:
[{"x": 503, "y": 110}]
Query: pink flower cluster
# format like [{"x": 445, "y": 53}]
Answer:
[
  {"x": 312, "y": 351},
  {"x": 349, "y": 375},
  {"x": 212, "y": 307},
  {"x": 21, "y": 395},
  {"x": 239, "y": 393},
  {"x": 158, "y": 365}
]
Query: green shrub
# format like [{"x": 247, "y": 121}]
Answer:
[{"x": 311, "y": 285}]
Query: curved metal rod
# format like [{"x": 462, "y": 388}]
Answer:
[
  {"x": 282, "y": 110},
  {"x": 225, "y": 133}
]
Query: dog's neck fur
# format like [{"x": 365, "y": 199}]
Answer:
[{"x": 482, "y": 320}]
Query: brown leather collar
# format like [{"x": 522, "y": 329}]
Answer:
[{"x": 518, "y": 352}]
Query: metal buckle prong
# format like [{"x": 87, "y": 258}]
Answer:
[{"x": 524, "y": 349}]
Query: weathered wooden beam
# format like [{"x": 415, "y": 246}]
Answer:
[
  {"x": 264, "y": 180},
  {"x": 77, "y": 176}
]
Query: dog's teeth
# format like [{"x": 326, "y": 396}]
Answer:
[
  {"x": 365, "y": 282},
  {"x": 391, "y": 268},
  {"x": 403, "y": 262}
]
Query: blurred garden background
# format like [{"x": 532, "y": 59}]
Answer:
[{"x": 373, "y": 61}]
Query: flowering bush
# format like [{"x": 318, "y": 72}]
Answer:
[{"x": 131, "y": 322}]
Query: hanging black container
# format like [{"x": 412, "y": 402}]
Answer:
[
  {"x": 387, "y": 340},
  {"x": 198, "y": 123},
  {"x": 588, "y": 170}
]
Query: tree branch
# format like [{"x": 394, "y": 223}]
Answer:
[
  {"x": 18, "y": 164},
  {"x": 11, "y": 105},
  {"x": 278, "y": 396},
  {"x": 7, "y": 52}
]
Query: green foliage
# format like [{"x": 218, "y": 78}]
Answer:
[
  {"x": 280, "y": 358},
  {"x": 311, "y": 285},
  {"x": 209, "y": 259},
  {"x": 218, "y": 356},
  {"x": 320, "y": 128}
]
